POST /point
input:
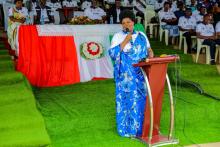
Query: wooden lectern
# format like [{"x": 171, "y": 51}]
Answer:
[{"x": 155, "y": 74}]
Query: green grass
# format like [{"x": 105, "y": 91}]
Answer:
[
  {"x": 21, "y": 123},
  {"x": 84, "y": 114}
]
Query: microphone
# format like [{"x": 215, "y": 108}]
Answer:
[{"x": 128, "y": 31}]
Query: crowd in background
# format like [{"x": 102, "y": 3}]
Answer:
[{"x": 194, "y": 18}]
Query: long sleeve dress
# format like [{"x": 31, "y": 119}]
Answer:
[{"x": 130, "y": 88}]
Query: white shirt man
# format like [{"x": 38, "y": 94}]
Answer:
[
  {"x": 205, "y": 30},
  {"x": 120, "y": 36},
  {"x": 94, "y": 13},
  {"x": 166, "y": 15},
  {"x": 85, "y": 5},
  {"x": 187, "y": 23},
  {"x": 72, "y": 3}
]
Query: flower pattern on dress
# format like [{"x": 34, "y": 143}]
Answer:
[{"x": 130, "y": 87}]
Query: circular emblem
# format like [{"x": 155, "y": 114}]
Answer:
[{"x": 91, "y": 50}]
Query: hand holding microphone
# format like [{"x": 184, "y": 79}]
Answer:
[{"x": 127, "y": 39}]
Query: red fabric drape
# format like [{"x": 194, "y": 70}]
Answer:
[{"x": 45, "y": 60}]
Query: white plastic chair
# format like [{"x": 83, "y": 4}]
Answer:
[
  {"x": 166, "y": 34},
  {"x": 217, "y": 54},
  {"x": 207, "y": 51},
  {"x": 181, "y": 39},
  {"x": 149, "y": 13}
]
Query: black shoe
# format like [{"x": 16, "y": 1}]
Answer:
[{"x": 212, "y": 62}]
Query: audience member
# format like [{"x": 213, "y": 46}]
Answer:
[
  {"x": 168, "y": 20},
  {"x": 43, "y": 14},
  {"x": 95, "y": 12},
  {"x": 187, "y": 24},
  {"x": 114, "y": 12},
  {"x": 206, "y": 32}
]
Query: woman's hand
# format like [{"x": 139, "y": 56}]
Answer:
[
  {"x": 150, "y": 53},
  {"x": 126, "y": 40}
]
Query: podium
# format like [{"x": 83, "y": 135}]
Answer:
[{"x": 155, "y": 75}]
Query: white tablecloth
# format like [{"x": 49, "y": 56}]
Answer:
[{"x": 86, "y": 33}]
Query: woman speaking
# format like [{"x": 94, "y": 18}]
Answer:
[{"x": 129, "y": 47}]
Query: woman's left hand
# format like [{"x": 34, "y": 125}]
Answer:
[{"x": 150, "y": 53}]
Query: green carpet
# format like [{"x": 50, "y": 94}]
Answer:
[
  {"x": 84, "y": 114},
  {"x": 21, "y": 123}
]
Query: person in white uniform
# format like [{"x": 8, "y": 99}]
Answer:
[
  {"x": 187, "y": 24},
  {"x": 168, "y": 20},
  {"x": 206, "y": 32},
  {"x": 95, "y": 12}
]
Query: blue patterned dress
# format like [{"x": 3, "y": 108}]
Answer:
[{"x": 130, "y": 87}]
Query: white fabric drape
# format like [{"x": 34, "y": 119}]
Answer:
[{"x": 86, "y": 33}]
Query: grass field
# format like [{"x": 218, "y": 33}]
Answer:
[
  {"x": 21, "y": 124},
  {"x": 84, "y": 114}
]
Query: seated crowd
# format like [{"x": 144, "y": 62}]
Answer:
[
  {"x": 44, "y": 11},
  {"x": 198, "y": 18}
]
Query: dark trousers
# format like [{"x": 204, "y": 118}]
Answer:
[
  {"x": 212, "y": 44},
  {"x": 188, "y": 35}
]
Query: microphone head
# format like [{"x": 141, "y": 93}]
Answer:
[{"x": 127, "y": 30}]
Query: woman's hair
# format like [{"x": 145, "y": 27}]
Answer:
[
  {"x": 127, "y": 14},
  {"x": 15, "y": 1}
]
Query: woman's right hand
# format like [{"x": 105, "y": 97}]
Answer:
[{"x": 126, "y": 40}]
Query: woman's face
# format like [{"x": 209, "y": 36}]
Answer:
[
  {"x": 128, "y": 23},
  {"x": 18, "y": 4}
]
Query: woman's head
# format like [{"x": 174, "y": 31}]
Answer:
[
  {"x": 18, "y": 3},
  {"x": 127, "y": 19}
]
